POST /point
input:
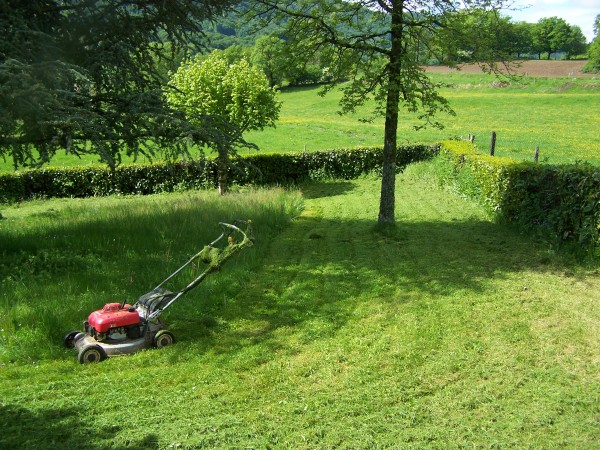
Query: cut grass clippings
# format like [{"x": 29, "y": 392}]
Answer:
[{"x": 448, "y": 331}]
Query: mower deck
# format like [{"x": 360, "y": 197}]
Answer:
[{"x": 112, "y": 348}]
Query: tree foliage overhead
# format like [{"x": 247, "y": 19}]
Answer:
[
  {"x": 379, "y": 43},
  {"x": 81, "y": 75}
]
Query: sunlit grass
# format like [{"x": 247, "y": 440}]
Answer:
[{"x": 560, "y": 115}]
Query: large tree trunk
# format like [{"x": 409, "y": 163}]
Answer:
[
  {"x": 387, "y": 199},
  {"x": 222, "y": 167},
  {"x": 388, "y": 180}
]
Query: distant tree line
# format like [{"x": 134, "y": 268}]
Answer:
[
  {"x": 593, "y": 64},
  {"x": 550, "y": 37},
  {"x": 239, "y": 35}
]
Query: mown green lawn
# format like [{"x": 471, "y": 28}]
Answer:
[{"x": 448, "y": 332}]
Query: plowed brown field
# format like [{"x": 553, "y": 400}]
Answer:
[{"x": 541, "y": 68}]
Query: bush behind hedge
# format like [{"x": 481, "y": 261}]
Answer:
[
  {"x": 562, "y": 201},
  {"x": 276, "y": 169}
]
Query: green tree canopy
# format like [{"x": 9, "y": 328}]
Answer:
[
  {"x": 550, "y": 35},
  {"x": 269, "y": 53},
  {"x": 575, "y": 43},
  {"x": 238, "y": 94},
  {"x": 523, "y": 40},
  {"x": 593, "y": 64},
  {"x": 379, "y": 46},
  {"x": 81, "y": 75},
  {"x": 484, "y": 35}
]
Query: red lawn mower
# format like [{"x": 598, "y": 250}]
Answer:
[{"x": 122, "y": 329}]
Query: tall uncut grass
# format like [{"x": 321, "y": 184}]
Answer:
[{"x": 62, "y": 259}]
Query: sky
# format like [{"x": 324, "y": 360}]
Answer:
[{"x": 574, "y": 12}]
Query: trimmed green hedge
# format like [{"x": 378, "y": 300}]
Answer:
[
  {"x": 562, "y": 201},
  {"x": 100, "y": 181},
  {"x": 257, "y": 169}
]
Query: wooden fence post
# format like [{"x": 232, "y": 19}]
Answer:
[{"x": 493, "y": 144}]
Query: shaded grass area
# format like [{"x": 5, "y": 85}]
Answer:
[{"x": 447, "y": 332}]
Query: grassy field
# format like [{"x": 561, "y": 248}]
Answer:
[
  {"x": 448, "y": 332},
  {"x": 558, "y": 114}
]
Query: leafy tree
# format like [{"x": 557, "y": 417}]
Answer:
[
  {"x": 379, "y": 43},
  {"x": 550, "y": 35},
  {"x": 85, "y": 76},
  {"x": 176, "y": 57},
  {"x": 269, "y": 54},
  {"x": 575, "y": 43},
  {"x": 239, "y": 94},
  {"x": 486, "y": 35},
  {"x": 236, "y": 53},
  {"x": 522, "y": 41},
  {"x": 593, "y": 64}
]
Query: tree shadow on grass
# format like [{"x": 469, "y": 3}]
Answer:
[
  {"x": 320, "y": 272},
  {"x": 64, "y": 428},
  {"x": 315, "y": 272},
  {"x": 329, "y": 189}
]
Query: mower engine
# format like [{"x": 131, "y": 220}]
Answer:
[{"x": 116, "y": 321}]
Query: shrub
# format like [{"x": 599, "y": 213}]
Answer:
[
  {"x": 12, "y": 187},
  {"x": 277, "y": 169},
  {"x": 562, "y": 201}
]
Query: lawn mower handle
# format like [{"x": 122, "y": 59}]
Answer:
[
  {"x": 248, "y": 236},
  {"x": 232, "y": 249}
]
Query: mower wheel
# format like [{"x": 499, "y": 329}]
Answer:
[
  {"x": 163, "y": 338},
  {"x": 91, "y": 354},
  {"x": 69, "y": 339}
]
